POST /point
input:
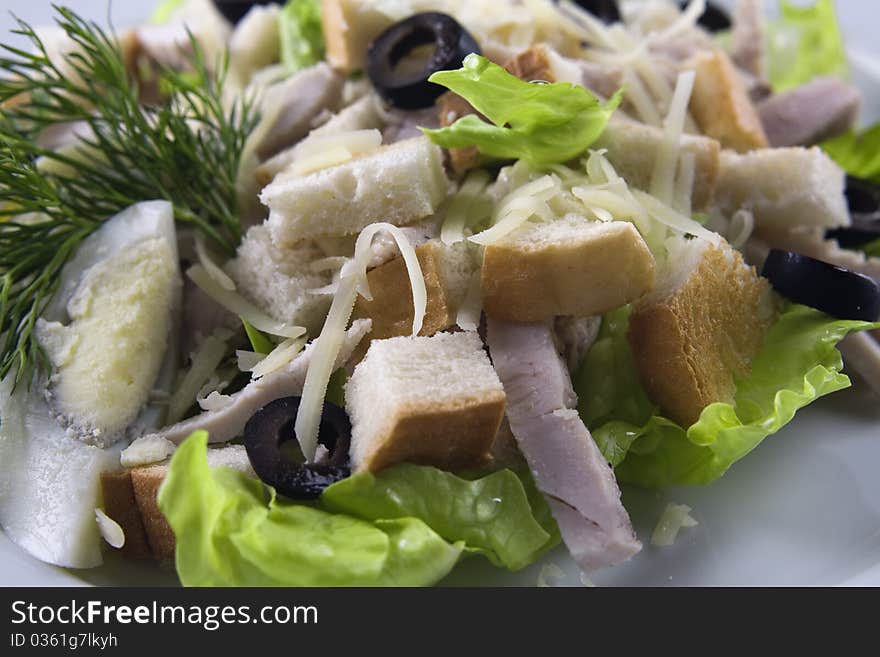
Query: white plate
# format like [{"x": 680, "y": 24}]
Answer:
[{"x": 802, "y": 509}]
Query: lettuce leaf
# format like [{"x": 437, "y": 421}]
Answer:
[
  {"x": 491, "y": 515},
  {"x": 857, "y": 154},
  {"x": 797, "y": 364},
  {"x": 165, "y": 10},
  {"x": 231, "y": 530},
  {"x": 302, "y": 34},
  {"x": 407, "y": 526},
  {"x": 871, "y": 249},
  {"x": 540, "y": 123},
  {"x": 805, "y": 43}
]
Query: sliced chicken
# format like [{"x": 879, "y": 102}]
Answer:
[
  {"x": 574, "y": 337},
  {"x": 289, "y": 107},
  {"x": 226, "y": 423},
  {"x": 562, "y": 456},
  {"x": 747, "y": 50},
  {"x": 821, "y": 109},
  {"x": 861, "y": 352}
]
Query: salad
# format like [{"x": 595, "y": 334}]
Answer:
[{"x": 344, "y": 292}]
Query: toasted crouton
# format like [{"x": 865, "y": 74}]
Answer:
[
  {"x": 130, "y": 499},
  {"x": 434, "y": 401},
  {"x": 699, "y": 331},
  {"x": 567, "y": 267},
  {"x": 721, "y": 105},
  {"x": 632, "y": 149},
  {"x": 400, "y": 184},
  {"x": 120, "y": 505},
  {"x": 447, "y": 271},
  {"x": 783, "y": 188}
]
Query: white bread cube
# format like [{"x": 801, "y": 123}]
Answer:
[
  {"x": 632, "y": 149},
  {"x": 278, "y": 279},
  {"x": 447, "y": 271},
  {"x": 700, "y": 329},
  {"x": 400, "y": 184},
  {"x": 784, "y": 188},
  {"x": 721, "y": 105},
  {"x": 433, "y": 401},
  {"x": 571, "y": 266}
]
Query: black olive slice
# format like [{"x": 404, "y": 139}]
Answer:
[
  {"x": 408, "y": 87},
  {"x": 714, "y": 19},
  {"x": 234, "y": 10},
  {"x": 273, "y": 426},
  {"x": 605, "y": 10},
  {"x": 834, "y": 290},
  {"x": 863, "y": 200}
]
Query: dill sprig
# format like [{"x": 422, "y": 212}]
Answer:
[{"x": 186, "y": 150}]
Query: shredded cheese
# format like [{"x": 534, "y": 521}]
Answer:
[
  {"x": 672, "y": 219},
  {"x": 458, "y": 216},
  {"x": 684, "y": 184},
  {"x": 205, "y": 362},
  {"x": 214, "y": 271},
  {"x": 247, "y": 360},
  {"x": 238, "y": 305},
  {"x": 110, "y": 529},
  {"x": 279, "y": 357},
  {"x": 468, "y": 316},
  {"x": 674, "y": 518},
  {"x": 741, "y": 226},
  {"x": 353, "y": 280},
  {"x": 686, "y": 21},
  {"x": 641, "y": 100},
  {"x": 519, "y": 206},
  {"x": 663, "y": 177}
]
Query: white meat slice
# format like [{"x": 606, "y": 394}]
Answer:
[
  {"x": 747, "y": 49},
  {"x": 861, "y": 352},
  {"x": 819, "y": 110},
  {"x": 289, "y": 107},
  {"x": 228, "y": 422},
  {"x": 562, "y": 456}
]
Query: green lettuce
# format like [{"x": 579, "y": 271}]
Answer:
[
  {"x": 540, "y": 123},
  {"x": 797, "y": 364},
  {"x": 805, "y": 43},
  {"x": 302, "y": 34},
  {"x": 165, "y": 10},
  {"x": 490, "y": 515},
  {"x": 857, "y": 154},
  {"x": 871, "y": 249},
  {"x": 396, "y": 528}
]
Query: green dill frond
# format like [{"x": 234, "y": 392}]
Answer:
[{"x": 186, "y": 151}]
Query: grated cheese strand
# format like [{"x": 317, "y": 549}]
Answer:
[
  {"x": 353, "y": 279},
  {"x": 518, "y": 207},
  {"x": 663, "y": 178},
  {"x": 238, "y": 305},
  {"x": 459, "y": 214},
  {"x": 220, "y": 277},
  {"x": 684, "y": 184}
]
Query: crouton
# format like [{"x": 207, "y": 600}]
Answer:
[
  {"x": 433, "y": 401},
  {"x": 699, "y": 331},
  {"x": 783, "y": 188},
  {"x": 447, "y": 271},
  {"x": 400, "y": 184},
  {"x": 721, "y": 105},
  {"x": 632, "y": 149},
  {"x": 279, "y": 280},
  {"x": 130, "y": 499},
  {"x": 567, "y": 267}
]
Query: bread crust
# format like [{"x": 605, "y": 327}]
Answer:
[
  {"x": 721, "y": 104},
  {"x": 580, "y": 278},
  {"x": 146, "y": 482},
  {"x": 453, "y": 437},
  {"x": 121, "y": 506},
  {"x": 391, "y": 308},
  {"x": 691, "y": 346}
]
